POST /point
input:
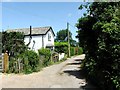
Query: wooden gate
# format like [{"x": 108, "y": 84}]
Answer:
[{"x": 5, "y": 62}]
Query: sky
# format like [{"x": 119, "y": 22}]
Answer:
[{"x": 40, "y": 14}]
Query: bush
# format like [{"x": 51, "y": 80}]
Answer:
[
  {"x": 45, "y": 56},
  {"x": 75, "y": 51},
  {"x": 101, "y": 42},
  {"x": 72, "y": 51},
  {"x": 30, "y": 61},
  {"x": 61, "y": 47},
  {"x": 80, "y": 50}
]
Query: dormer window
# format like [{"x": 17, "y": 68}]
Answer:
[{"x": 49, "y": 37}]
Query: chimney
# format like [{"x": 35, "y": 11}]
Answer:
[{"x": 30, "y": 31}]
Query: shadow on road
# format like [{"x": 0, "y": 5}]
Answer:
[
  {"x": 77, "y": 73},
  {"x": 78, "y": 60},
  {"x": 74, "y": 63},
  {"x": 88, "y": 87},
  {"x": 80, "y": 74}
]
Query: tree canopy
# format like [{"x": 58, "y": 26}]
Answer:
[
  {"x": 62, "y": 36},
  {"x": 13, "y": 42}
]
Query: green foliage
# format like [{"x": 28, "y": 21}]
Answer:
[
  {"x": 45, "y": 56},
  {"x": 62, "y": 35},
  {"x": 13, "y": 42},
  {"x": 80, "y": 51},
  {"x": 61, "y": 43},
  {"x": 61, "y": 47},
  {"x": 72, "y": 51},
  {"x": 101, "y": 43},
  {"x": 75, "y": 51},
  {"x": 29, "y": 61}
]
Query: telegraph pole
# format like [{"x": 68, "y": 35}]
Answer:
[{"x": 68, "y": 39}]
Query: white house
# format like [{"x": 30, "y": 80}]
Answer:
[{"x": 38, "y": 37}]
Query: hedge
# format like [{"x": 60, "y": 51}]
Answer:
[
  {"x": 45, "y": 56},
  {"x": 75, "y": 51}
]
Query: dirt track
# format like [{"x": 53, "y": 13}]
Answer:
[{"x": 64, "y": 75}]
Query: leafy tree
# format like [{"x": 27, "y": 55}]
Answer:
[
  {"x": 99, "y": 35},
  {"x": 13, "y": 42},
  {"x": 62, "y": 35}
]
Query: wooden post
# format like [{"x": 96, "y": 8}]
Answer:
[
  {"x": 68, "y": 40},
  {"x": 5, "y": 65}
]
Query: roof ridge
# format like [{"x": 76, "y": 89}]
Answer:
[
  {"x": 35, "y": 30},
  {"x": 29, "y": 28}
]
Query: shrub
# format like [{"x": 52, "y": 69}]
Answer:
[
  {"x": 75, "y": 51},
  {"x": 72, "y": 51},
  {"x": 80, "y": 50},
  {"x": 101, "y": 42},
  {"x": 30, "y": 61},
  {"x": 61, "y": 47},
  {"x": 45, "y": 56}
]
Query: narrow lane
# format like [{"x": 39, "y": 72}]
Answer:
[{"x": 64, "y": 75}]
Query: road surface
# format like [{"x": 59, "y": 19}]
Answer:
[{"x": 64, "y": 75}]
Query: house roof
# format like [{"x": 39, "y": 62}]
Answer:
[{"x": 34, "y": 31}]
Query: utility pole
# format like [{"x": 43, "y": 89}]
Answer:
[{"x": 68, "y": 39}]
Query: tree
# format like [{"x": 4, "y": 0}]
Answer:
[
  {"x": 13, "y": 42},
  {"x": 62, "y": 36},
  {"x": 99, "y": 35}
]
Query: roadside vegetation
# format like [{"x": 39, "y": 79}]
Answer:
[
  {"x": 24, "y": 60},
  {"x": 99, "y": 35},
  {"x": 61, "y": 43}
]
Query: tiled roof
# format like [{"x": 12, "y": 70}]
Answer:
[{"x": 34, "y": 31}]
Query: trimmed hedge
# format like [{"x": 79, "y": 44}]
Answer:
[{"x": 61, "y": 47}]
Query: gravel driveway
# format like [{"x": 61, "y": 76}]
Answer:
[{"x": 64, "y": 75}]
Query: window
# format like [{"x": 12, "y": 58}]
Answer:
[{"x": 49, "y": 37}]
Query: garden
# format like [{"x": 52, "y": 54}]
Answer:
[{"x": 23, "y": 60}]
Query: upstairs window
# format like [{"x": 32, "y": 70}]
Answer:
[{"x": 49, "y": 37}]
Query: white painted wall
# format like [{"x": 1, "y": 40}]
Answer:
[
  {"x": 61, "y": 56},
  {"x": 46, "y": 41},
  {"x": 38, "y": 41}
]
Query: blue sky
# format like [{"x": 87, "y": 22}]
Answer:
[{"x": 39, "y": 14}]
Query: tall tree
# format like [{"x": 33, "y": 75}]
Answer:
[
  {"x": 13, "y": 42},
  {"x": 62, "y": 35}
]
